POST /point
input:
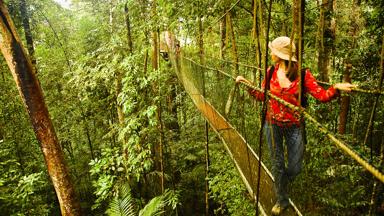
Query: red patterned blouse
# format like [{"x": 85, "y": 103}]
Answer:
[{"x": 281, "y": 115}]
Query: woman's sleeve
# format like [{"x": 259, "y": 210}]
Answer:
[
  {"x": 258, "y": 94},
  {"x": 318, "y": 92}
]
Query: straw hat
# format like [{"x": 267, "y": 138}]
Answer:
[{"x": 280, "y": 48}]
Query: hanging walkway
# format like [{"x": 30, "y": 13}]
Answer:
[{"x": 245, "y": 159}]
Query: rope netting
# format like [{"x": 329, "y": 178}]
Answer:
[{"x": 243, "y": 155}]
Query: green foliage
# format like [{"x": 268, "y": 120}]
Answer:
[
  {"x": 27, "y": 186},
  {"x": 124, "y": 204},
  {"x": 227, "y": 188},
  {"x": 82, "y": 58},
  {"x": 105, "y": 171}
]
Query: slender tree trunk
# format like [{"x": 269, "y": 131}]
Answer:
[
  {"x": 262, "y": 36},
  {"x": 155, "y": 66},
  {"x": 326, "y": 40},
  {"x": 299, "y": 13},
  {"x": 128, "y": 23},
  {"x": 118, "y": 80},
  {"x": 368, "y": 133},
  {"x": 119, "y": 107},
  {"x": 345, "y": 101},
  {"x": 111, "y": 16},
  {"x": 202, "y": 62},
  {"x": 89, "y": 142},
  {"x": 145, "y": 67},
  {"x": 31, "y": 93},
  {"x": 27, "y": 31},
  {"x": 155, "y": 51},
  {"x": 219, "y": 76},
  {"x": 256, "y": 42},
  {"x": 235, "y": 58},
  {"x": 235, "y": 55},
  {"x": 223, "y": 38},
  {"x": 59, "y": 41},
  {"x": 172, "y": 105}
]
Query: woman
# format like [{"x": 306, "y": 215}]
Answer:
[{"x": 284, "y": 123}]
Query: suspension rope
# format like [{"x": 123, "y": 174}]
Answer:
[
  {"x": 221, "y": 17},
  {"x": 366, "y": 165},
  {"x": 238, "y": 63},
  {"x": 229, "y": 10}
]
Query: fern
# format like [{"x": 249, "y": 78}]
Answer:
[
  {"x": 122, "y": 204},
  {"x": 154, "y": 207}
]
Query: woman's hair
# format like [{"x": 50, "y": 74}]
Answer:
[{"x": 292, "y": 70}]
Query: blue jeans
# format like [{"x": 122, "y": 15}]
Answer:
[{"x": 275, "y": 136}]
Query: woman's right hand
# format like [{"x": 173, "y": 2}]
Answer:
[{"x": 242, "y": 79}]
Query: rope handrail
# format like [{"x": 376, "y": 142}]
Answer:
[
  {"x": 373, "y": 170},
  {"x": 366, "y": 91}
]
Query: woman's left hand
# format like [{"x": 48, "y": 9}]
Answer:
[{"x": 344, "y": 86}]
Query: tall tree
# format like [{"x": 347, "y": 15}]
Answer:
[
  {"x": 344, "y": 102},
  {"x": 27, "y": 30},
  {"x": 235, "y": 59},
  {"x": 256, "y": 40},
  {"x": 128, "y": 24},
  {"x": 155, "y": 66},
  {"x": 31, "y": 92},
  {"x": 326, "y": 38}
]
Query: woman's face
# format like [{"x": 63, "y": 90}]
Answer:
[{"x": 274, "y": 58}]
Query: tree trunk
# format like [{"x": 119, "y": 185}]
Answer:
[
  {"x": 155, "y": 66},
  {"x": 119, "y": 107},
  {"x": 256, "y": 42},
  {"x": 31, "y": 93},
  {"x": 373, "y": 112},
  {"x": 262, "y": 36},
  {"x": 111, "y": 18},
  {"x": 202, "y": 62},
  {"x": 345, "y": 101},
  {"x": 223, "y": 34},
  {"x": 300, "y": 41},
  {"x": 219, "y": 76},
  {"x": 235, "y": 58},
  {"x": 27, "y": 31},
  {"x": 326, "y": 39},
  {"x": 128, "y": 23}
]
